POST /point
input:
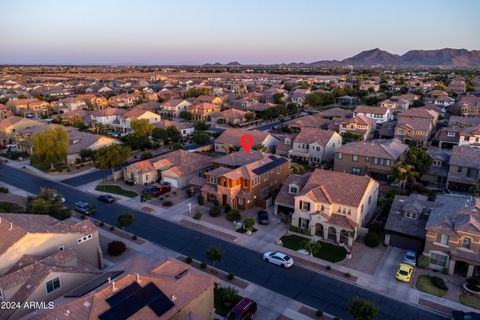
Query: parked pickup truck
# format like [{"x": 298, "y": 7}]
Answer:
[{"x": 156, "y": 191}]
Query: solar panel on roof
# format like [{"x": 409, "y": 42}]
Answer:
[
  {"x": 149, "y": 295},
  {"x": 123, "y": 294},
  {"x": 92, "y": 284},
  {"x": 269, "y": 166}
]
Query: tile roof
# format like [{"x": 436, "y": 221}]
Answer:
[
  {"x": 369, "y": 109},
  {"x": 232, "y": 136},
  {"x": 240, "y": 158},
  {"x": 336, "y": 187},
  {"x": 286, "y": 198},
  {"x": 311, "y": 135},
  {"x": 463, "y": 156},
  {"x": 381, "y": 148},
  {"x": 309, "y": 121},
  {"x": 423, "y": 124}
]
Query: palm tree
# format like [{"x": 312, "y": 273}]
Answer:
[
  {"x": 312, "y": 247},
  {"x": 403, "y": 173}
]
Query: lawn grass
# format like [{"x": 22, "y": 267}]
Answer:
[
  {"x": 220, "y": 308},
  {"x": 471, "y": 301},
  {"x": 328, "y": 251},
  {"x": 109, "y": 188},
  {"x": 11, "y": 207},
  {"x": 425, "y": 284}
]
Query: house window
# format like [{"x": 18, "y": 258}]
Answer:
[
  {"x": 306, "y": 206},
  {"x": 339, "y": 155},
  {"x": 411, "y": 215},
  {"x": 438, "y": 259},
  {"x": 264, "y": 193},
  {"x": 85, "y": 238},
  {"x": 339, "y": 210},
  {"x": 355, "y": 157},
  {"x": 450, "y": 134},
  {"x": 293, "y": 190},
  {"x": 303, "y": 223},
  {"x": 442, "y": 239},
  {"x": 459, "y": 169},
  {"x": 466, "y": 243},
  {"x": 322, "y": 208},
  {"x": 349, "y": 212},
  {"x": 52, "y": 285},
  {"x": 356, "y": 171},
  {"x": 1, "y": 294},
  {"x": 61, "y": 248}
]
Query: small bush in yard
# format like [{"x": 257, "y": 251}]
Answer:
[
  {"x": 200, "y": 200},
  {"x": 134, "y": 237},
  {"x": 422, "y": 262},
  {"x": 319, "y": 313},
  {"x": 227, "y": 208},
  {"x": 203, "y": 265},
  {"x": 167, "y": 203},
  {"x": 116, "y": 248},
  {"x": 215, "y": 211},
  {"x": 234, "y": 215},
  {"x": 230, "y": 276},
  {"x": 3, "y": 190},
  {"x": 112, "y": 228},
  {"x": 188, "y": 259},
  {"x": 445, "y": 271},
  {"x": 347, "y": 275},
  {"x": 439, "y": 283},
  {"x": 102, "y": 224},
  {"x": 328, "y": 268},
  {"x": 372, "y": 239}
]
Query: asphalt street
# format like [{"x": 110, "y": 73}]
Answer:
[{"x": 311, "y": 288}]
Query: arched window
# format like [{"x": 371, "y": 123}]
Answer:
[{"x": 466, "y": 242}]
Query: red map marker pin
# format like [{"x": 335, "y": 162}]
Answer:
[{"x": 247, "y": 142}]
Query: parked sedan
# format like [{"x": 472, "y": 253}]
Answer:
[
  {"x": 278, "y": 258},
  {"x": 106, "y": 198},
  {"x": 410, "y": 258},
  {"x": 262, "y": 217},
  {"x": 84, "y": 207},
  {"x": 404, "y": 273}
]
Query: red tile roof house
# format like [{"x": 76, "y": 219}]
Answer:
[
  {"x": 361, "y": 125},
  {"x": 125, "y": 120},
  {"x": 230, "y": 116},
  {"x": 229, "y": 140},
  {"x": 177, "y": 168},
  {"x": 186, "y": 128},
  {"x": 173, "y": 107},
  {"x": 315, "y": 146},
  {"x": 308, "y": 121},
  {"x": 380, "y": 115},
  {"x": 416, "y": 125},
  {"x": 329, "y": 205}
]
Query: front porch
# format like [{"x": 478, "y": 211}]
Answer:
[{"x": 335, "y": 234}]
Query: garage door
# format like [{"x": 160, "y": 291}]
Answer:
[
  {"x": 173, "y": 182},
  {"x": 406, "y": 242}
]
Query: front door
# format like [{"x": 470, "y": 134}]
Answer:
[{"x": 224, "y": 199}]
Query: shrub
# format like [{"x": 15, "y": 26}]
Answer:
[
  {"x": 372, "y": 239},
  {"x": 102, "y": 224},
  {"x": 228, "y": 294},
  {"x": 68, "y": 170},
  {"x": 230, "y": 276},
  {"x": 347, "y": 275},
  {"x": 375, "y": 227},
  {"x": 422, "y": 262},
  {"x": 83, "y": 217},
  {"x": 167, "y": 203},
  {"x": 3, "y": 190},
  {"x": 328, "y": 268},
  {"x": 473, "y": 284},
  {"x": 134, "y": 237},
  {"x": 227, "y": 208},
  {"x": 215, "y": 211},
  {"x": 445, "y": 271},
  {"x": 203, "y": 265},
  {"x": 299, "y": 230},
  {"x": 188, "y": 259},
  {"x": 200, "y": 200},
  {"x": 439, "y": 283},
  {"x": 234, "y": 215},
  {"x": 319, "y": 313},
  {"x": 112, "y": 228},
  {"x": 116, "y": 248}
]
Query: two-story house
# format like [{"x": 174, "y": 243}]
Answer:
[
  {"x": 470, "y": 137},
  {"x": 124, "y": 100},
  {"x": 453, "y": 236},
  {"x": 380, "y": 115},
  {"x": 464, "y": 171},
  {"x": 315, "y": 146},
  {"x": 94, "y": 100},
  {"x": 470, "y": 106},
  {"x": 11, "y": 127},
  {"x": 201, "y": 111},
  {"x": 248, "y": 185},
  {"x": 375, "y": 158},
  {"x": 173, "y": 107},
  {"x": 125, "y": 120},
  {"x": 331, "y": 205},
  {"x": 395, "y": 104},
  {"x": 28, "y": 107},
  {"x": 107, "y": 116},
  {"x": 438, "y": 98},
  {"x": 229, "y": 140},
  {"x": 359, "y": 125}
]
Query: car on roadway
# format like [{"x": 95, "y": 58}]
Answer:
[
  {"x": 83, "y": 207},
  {"x": 410, "y": 258},
  {"x": 106, "y": 198},
  {"x": 262, "y": 217},
  {"x": 460, "y": 315},
  {"x": 278, "y": 258},
  {"x": 404, "y": 273}
]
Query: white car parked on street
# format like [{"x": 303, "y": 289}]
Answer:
[{"x": 278, "y": 258}]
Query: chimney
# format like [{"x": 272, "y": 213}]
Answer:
[
  {"x": 138, "y": 278},
  {"x": 113, "y": 286},
  {"x": 174, "y": 297},
  {"x": 109, "y": 280},
  {"x": 11, "y": 226}
]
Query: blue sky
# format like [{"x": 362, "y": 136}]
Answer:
[{"x": 248, "y": 31}]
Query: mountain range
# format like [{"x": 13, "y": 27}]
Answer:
[{"x": 446, "y": 57}]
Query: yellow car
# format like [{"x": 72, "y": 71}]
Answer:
[{"x": 404, "y": 272}]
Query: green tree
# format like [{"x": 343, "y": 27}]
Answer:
[
  {"x": 201, "y": 125},
  {"x": 173, "y": 134},
  {"x": 137, "y": 141},
  {"x": 200, "y": 137},
  {"x": 142, "y": 127},
  {"x": 197, "y": 215},
  {"x": 362, "y": 309},
  {"x": 146, "y": 155},
  {"x": 350, "y": 137},
  {"x": 312, "y": 247},
  {"x": 249, "y": 116},
  {"x": 160, "y": 134},
  {"x": 109, "y": 157},
  {"x": 124, "y": 220},
  {"x": 87, "y": 154},
  {"x": 278, "y": 98},
  {"x": 48, "y": 202},
  {"x": 403, "y": 173},
  {"x": 260, "y": 147},
  {"x": 50, "y": 146},
  {"x": 419, "y": 158},
  {"x": 297, "y": 168},
  {"x": 185, "y": 115},
  {"x": 196, "y": 92},
  {"x": 214, "y": 254}
]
